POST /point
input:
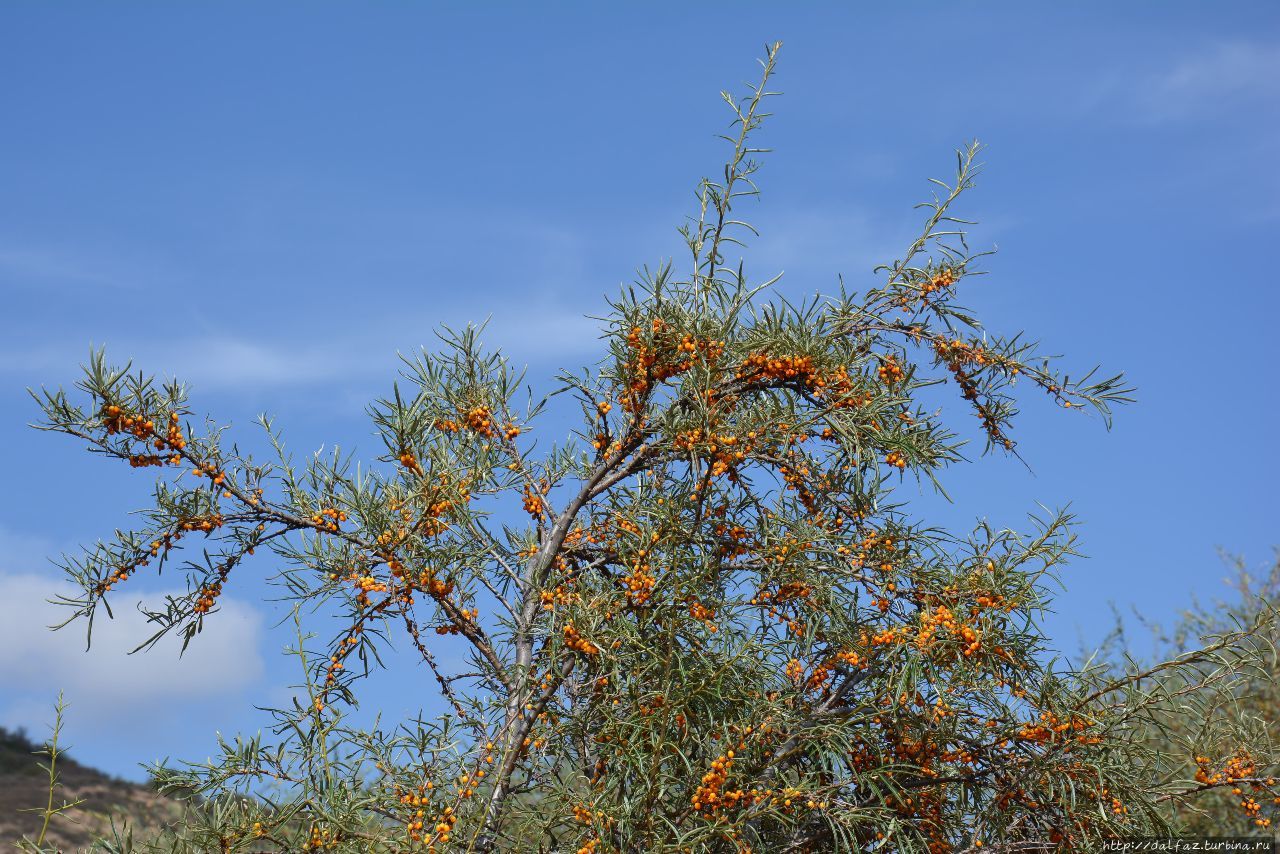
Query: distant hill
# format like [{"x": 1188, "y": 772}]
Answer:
[{"x": 23, "y": 784}]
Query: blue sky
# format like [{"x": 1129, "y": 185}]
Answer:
[{"x": 272, "y": 200}]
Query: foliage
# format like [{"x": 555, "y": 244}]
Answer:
[
  {"x": 76, "y": 804},
  {"x": 1229, "y": 746},
  {"x": 48, "y": 812},
  {"x": 714, "y": 628}
]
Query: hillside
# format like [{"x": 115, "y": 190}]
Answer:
[{"x": 23, "y": 784}]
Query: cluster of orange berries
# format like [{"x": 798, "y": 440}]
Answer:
[
  {"x": 942, "y": 618},
  {"x": 942, "y": 278},
  {"x": 479, "y": 420},
  {"x": 869, "y": 548},
  {"x": 890, "y": 371},
  {"x": 703, "y": 614},
  {"x": 1251, "y": 808},
  {"x": 992, "y": 601},
  {"x": 1051, "y": 728},
  {"x": 435, "y": 587},
  {"x": 1237, "y": 769},
  {"x": 1116, "y": 805},
  {"x": 925, "y": 812},
  {"x": 208, "y": 596},
  {"x": 432, "y": 522},
  {"x": 937, "y": 280},
  {"x": 409, "y": 461},
  {"x": 321, "y": 839},
  {"x": 328, "y": 519},
  {"x": 886, "y": 636},
  {"x": 208, "y": 523},
  {"x": 121, "y": 573},
  {"x": 577, "y": 642},
  {"x": 712, "y": 796},
  {"x": 559, "y": 596},
  {"x": 849, "y": 658},
  {"x": 791, "y": 596},
  {"x": 468, "y": 781},
  {"x": 118, "y": 575},
  {"x": 173, "y": 437},
  {"x": 957, "y": 352},
  {"x": 370, "y": 584},
  {"x": 639, "y": 583},
  {"x": 819, "y": 677},
  {"x": 796, "y": 480},
  {"x": 782, "y": 368},
  {"x": 442, "y": 829},
  {"x": 652, "y": 706},
  {"x": 662, "y": 361},
  {"x": 116, "y": 420},
  {"x": 836, "y": 385},
  {"x": 824, "y": 671},
  {"x": 691, "y": 346},
  {"x": 725, "y": 451},
  {"x": 896, "y": 459},
  {"x": 707, "y": 797},
  {"x": 217, "y": 478},
  {"x": 788, "y": 592},
  {"x": 139, "y": 461},
  {"x": 736, "y": 537},
  {"x": 415, "y": 823},
  {"x": 534, "y": 504},
  {"x": 439, "y": 499}
]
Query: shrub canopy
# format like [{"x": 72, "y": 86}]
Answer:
[{"x": 704, "y": 622}]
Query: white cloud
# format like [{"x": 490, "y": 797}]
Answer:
[
  {"x": 525, "y": 333},
  {"x": 1202, "y": 81},
  {"x": 1154, "y": 89},
  {"x": 1225, "y": 69},
  {"x": 35, "y": 663}
]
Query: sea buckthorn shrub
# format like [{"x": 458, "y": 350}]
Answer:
[
  {"x": 706, "y": 623},
  {"x": 1231, "y": 744}
]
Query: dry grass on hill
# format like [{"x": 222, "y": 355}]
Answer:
[{"x": 23, "y": 784}]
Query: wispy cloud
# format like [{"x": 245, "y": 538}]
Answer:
[
  {"x": 1198, "y": 84},
  {"x": 1223, "y": 71},
  {"x": 525, "y": 333}
]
